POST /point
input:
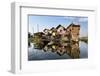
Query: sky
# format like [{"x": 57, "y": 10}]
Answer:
[{"x": 40, "y": 22}]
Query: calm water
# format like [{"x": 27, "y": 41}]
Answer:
[{"x": 73, "y": 52}]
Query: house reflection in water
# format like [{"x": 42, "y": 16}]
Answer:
[{"x": 72, "y": 49}]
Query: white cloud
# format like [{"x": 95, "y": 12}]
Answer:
[
  {"x": 70, "y": 18},
  {"x": 83, "y": 19},
  {"x": 77, "y": 19}
]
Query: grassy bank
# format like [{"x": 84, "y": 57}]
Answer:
[{"x": 84, "y": 39}]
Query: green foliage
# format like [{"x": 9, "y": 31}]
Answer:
[{"x": 84, "y": 39}]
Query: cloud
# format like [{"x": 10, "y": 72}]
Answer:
[
  {"x": 84, "y": 19},
  {"x": 76, "y": 18},
  {"x": 70, "y": 17}
]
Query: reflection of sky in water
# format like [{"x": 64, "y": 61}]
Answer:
[
  {"x": 83, "y": 50},
  {"x": 36, "y": 54}
]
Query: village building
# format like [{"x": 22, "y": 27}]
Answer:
[
  {"x": 74, "y": 31},
  {"x": 53, "y": 31},
  {"x": 46, "y": 31},
  {"x": 61, "y": 30},
  {"x": 63, "y": 33}
]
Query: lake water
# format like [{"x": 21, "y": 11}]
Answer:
[{"x": 75, "y": 51}]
